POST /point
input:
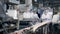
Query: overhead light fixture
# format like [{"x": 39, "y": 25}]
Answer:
[{"x": 35, "y": 0}]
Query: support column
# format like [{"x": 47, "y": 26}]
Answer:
[{"x": 29, "y": 4}]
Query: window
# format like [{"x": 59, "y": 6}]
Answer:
[{"x": 22, "y": 1}]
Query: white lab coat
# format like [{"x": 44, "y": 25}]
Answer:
[
  {"x": 47, "y": 16},
  {"x": 55, "y": 19},
  {"x": 29, "y": 15}
]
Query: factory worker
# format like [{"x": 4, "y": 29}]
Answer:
[
  {"x": 40, "y": 12},
  {"x": 47, "y": 14},
  {"x": 30, "y": 14},
  {"x": 55, "y": 23},
  {"x": 56, "y": 18}
]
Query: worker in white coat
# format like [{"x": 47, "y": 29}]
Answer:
[
  {"x": 56, "y": 18},
  {"x": 47, "y": 14},
  {"x": 55, "y": 23},
  {"x": 30, "y": 14}
]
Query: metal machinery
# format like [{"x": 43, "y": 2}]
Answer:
[{"x": 7, "y": 23}]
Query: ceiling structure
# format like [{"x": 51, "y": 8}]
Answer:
[{"x": 52, "y": 3}]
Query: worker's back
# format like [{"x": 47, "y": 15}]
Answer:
[{"x": 40, "y": 12}]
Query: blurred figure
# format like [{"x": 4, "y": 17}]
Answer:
[
  {"x": 47, "y": 14},
  {"x": 30, "y": 14},
  {"x": 56, "y": 18},
  {"x": 55, "y": 23},
  {"x": 40, "y": 12}
]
